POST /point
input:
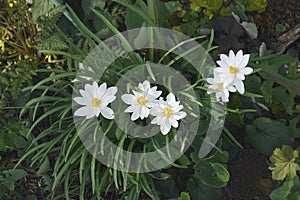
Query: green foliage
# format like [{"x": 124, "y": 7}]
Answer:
[
  {"x": 198, "y": 190},
  {"x": 46, "y": 23},
  {"x": 209, "y": 7},
  {"x": 278, "y": 89},
  {"x": 210, "y": 173},
  {"x": 13, "y": 136},
  {"x": 77, "y": 174},
  {"x": 256, "y": 5},
  {"x": 19, "y": 54},
  {"x": 266, "y": 134},
  {"x": 213, "y": 7},
  {"x": 283, "y": 163},
  {"x": 9, "y": 177},
  {"x": 289, "y": 190},
  {"x": 41, "y": 8}
]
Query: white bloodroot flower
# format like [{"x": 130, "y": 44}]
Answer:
[
  {"x": 167, "y": 113},
  {"x": 95, "y": 100},
  {"x": 233, "y": 69},
  {"x": 141, "y": 102},
  {"x": 218, "y": 86}
]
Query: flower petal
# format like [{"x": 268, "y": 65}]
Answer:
[
  {"x": 174, "y": 123},
  {"x": 107, "y": 113},
  {"x": 179, "y": 115},
  {"x": 101, "y": 90},
  {"x": 247, "y": 70},
  {"x": 108, "y": 99},
  {"x": 135, "y": 115},
  {"x": 130, "y": 109},
  {"x": 244, "y": 61},
  {"x": 238, "y": 59},
  {"x": 222, "y": 64},
  {"x": 128, "y": 98},
  {"x": 239, "y": 86},
  {"x": 144, "y": 112},
  {"x": 225, "y": 59},
  {"x": 156, "y": 111},
  {"x": 81, "y": 101},
  {"x": 111, "y": 91},
  {"x": 165, "y": 127},
  {"x": 171, "y": 98},
  {"x": 231, "y": 57},
  {"x": 240, "y": 76}
]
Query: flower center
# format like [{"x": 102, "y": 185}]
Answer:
[
  {"x": 142, "y": 101},
  {"x": 167, "y": 112},
  {"x": 233, "y": 70},
  {"x": 220, "y": 86},
  {"x": 96, "y": 102}
]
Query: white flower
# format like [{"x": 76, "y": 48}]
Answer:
[
  {"x": 220, "y": 88},
  {"x": 141, "y": 102},
  {"x": 167, "y": 113},
  {"x": 95, "y": 100},
  {"x": 233, "y": 69}
]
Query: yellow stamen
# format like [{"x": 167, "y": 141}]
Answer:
[
  {"x": 233, "y": 70},
  {"x": 96, "y": 102},
  {"x": 142, "y": 101},
  {"x": 167, "y": 112},
  {"x": 220, "y": 86}
]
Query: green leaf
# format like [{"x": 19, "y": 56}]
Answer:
[
  {"x": 44, "y": 167},
  {"x": 293, "y": 127},
  {"x": 271, "y": 71},
  {"x": 265, "y": 135},
  {"x": 211, "y": 174},
  {"x": 41, "y": 7},
  {"x": 198, "y": 190},
  {"x": 283, "y": 163},
  {"x": 251, "y": 29},
  {"x": 183, "y": 196},
  {"x": 167, "y": 188},
  {"x": 184, "y": 160},
  {"x": 288, "y": 191}
]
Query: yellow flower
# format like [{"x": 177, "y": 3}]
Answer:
[
  {"x": 2, "y": 46},
  {"x": 4, "y": 34},
  {"x": 51, "y": 58}
]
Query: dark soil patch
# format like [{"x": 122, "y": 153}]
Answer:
[{"x": 249, "y": 177}]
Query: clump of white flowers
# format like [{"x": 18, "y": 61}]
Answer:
[
  {"x": 142, "y": 103},
  {"x": 230, "y": 75}
]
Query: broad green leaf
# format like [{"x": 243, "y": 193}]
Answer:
[
  {"x": 283, "y": 163},
  {"x": 288, "y": 191},
  {"x": 167, "y": 188},
  {"x": 40, "y": 8},
  {"x": 199, "y": 191},
  {"x": 211, "y": 174},
  {"x": 266, "y": 134},
  {"x": 184, "y": 196}
]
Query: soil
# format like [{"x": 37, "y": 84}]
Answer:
[{"x": 249, "y": 177}]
